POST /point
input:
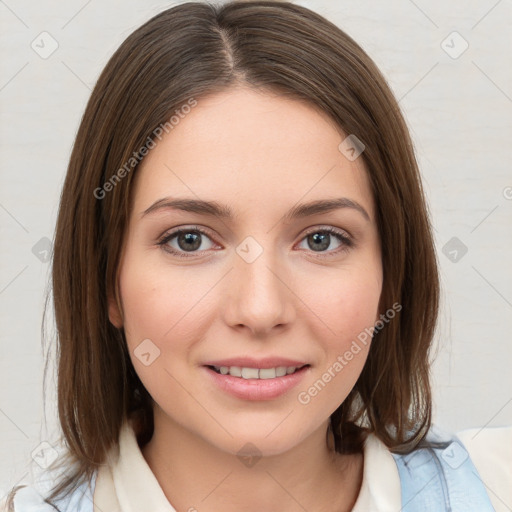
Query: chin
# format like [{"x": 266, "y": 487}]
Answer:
[{"x": 261, "y": 444}]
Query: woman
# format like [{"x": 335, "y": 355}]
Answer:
[{"x": 245, "y": 283}]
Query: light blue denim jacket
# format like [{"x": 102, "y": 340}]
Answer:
[{"x": 438, "y": 476}]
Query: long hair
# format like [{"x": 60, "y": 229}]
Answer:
[{"x": 189, "y": 51}]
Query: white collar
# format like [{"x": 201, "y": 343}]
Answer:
[
  {"x": 380, "y": 490},
  {"x": 127, "y": 484}
]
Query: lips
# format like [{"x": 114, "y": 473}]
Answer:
[{"x": 256, "y": 388}]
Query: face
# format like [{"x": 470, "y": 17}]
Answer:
[{"x": 262, "y": 288}]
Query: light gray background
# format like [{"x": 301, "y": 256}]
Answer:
[{"x": 459, "y": 112}]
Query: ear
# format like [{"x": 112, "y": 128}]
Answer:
[{"x": 114, "y": 314}]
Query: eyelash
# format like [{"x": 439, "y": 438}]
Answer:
[{"x": 347, "y": 242}]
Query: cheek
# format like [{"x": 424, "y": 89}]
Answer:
[
  {"x": 354, "y": 309},
  {"x": 347, "y": 306},
  {"x": 145, "y": 304},
  {"x": 166, "y": 315},
  {"x": 346, "y": 302},
  {"x": 158, "y": 302},
  {"x": 161, "y": 324}
]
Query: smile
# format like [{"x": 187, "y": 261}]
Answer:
[
  {"x": 256, "y": 373},
  {"x": 248, "y": 383}
]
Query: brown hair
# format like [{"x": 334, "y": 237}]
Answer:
[{"x": 195, "y": 49}]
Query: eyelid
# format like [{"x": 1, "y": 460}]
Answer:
[{"x": 328, "y": 228}]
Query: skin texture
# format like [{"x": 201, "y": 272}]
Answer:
[{"x": 260, "y": 154}]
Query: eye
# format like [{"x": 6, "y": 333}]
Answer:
[
  {"x": 187, "y": 239},
  {"x": 320, "y": 239}
]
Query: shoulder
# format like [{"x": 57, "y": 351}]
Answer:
[
  {"x": 31, "y": 497},
  {"x": 465, "y": 468}
]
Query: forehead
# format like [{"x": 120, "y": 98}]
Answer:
[{"x": 252, "y": 149}]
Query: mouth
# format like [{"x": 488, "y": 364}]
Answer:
[
  {"x": 256, "y": 373},
  {"x": 250, "y": 384}
]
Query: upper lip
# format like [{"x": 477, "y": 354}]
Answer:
[{"x": 249, "y": 362}]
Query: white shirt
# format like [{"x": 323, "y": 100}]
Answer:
[{"x": 127, "y": 484}]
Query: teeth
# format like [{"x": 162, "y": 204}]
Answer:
[
  {"x": 267, "y": 373},
  {"x": 235, "y": 371},
  {"x": 280, "y": 371},
  {"x": 256, "y": 373},
  {"x": 250, "y": 373}
]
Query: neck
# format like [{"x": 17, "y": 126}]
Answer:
[{"x": 195, "y": 475}]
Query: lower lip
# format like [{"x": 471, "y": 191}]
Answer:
[{"x": 257, "y": 389}]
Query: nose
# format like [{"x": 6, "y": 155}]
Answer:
[{"x": 258, "y": 296}]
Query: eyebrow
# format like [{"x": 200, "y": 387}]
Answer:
[{"x": 214, "y": 209}]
